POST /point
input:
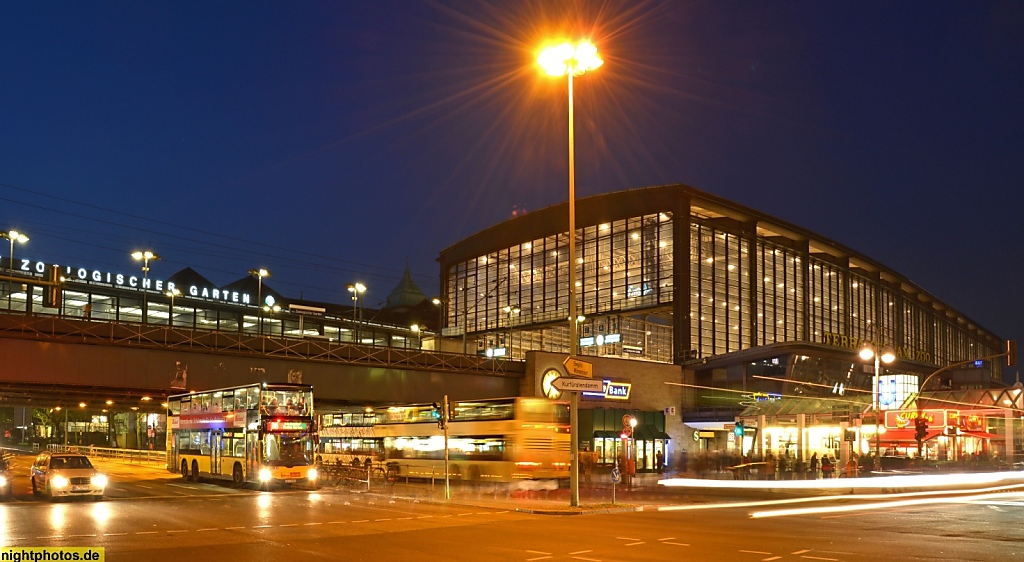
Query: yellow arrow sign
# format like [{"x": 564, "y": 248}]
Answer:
[{"x": 578, "y": 368}]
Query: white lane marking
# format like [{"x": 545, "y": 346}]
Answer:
[
  {"x": 754, "y": 552},
  {"x": 146, "y": 532},
  {"x": 335, "y": 522},
  {"x": 537, "y": 558},
  {"x": 771, "y": 558},
  {"x": 178, "y": 531},
  {"x": 819, "y": 558},
  {"x": 288, "y": 525},
  {"x": 114, "y": 534},
  {"x": 183, "y": 486},
  {"x": 207, "y": 529},
  {"x": 53, "y": 537},
  {"x": 261, "y": 527},
  {"x": 580, "y": 552},
  {"x": 308, "y": 524},
  {"x": 362, "y": 521},
  {"x": 804, "y": 551},
  {"x": 634, "y": 543},
  {"x": 674, "y": 543},
  {"x": 385, "y": 519},
  {"x": 627, "y": 539},
  {"x": 79, "y": 536},
  {"x": 144, "y": 486},
  {"x": 233, "y": 528}
]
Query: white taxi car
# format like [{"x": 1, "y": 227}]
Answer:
[{"x": 61, "y": 475}]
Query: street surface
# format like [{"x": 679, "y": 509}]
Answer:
[{"x": 153, "y": 515}]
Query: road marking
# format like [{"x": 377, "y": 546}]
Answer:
[
  {"x": 819, "y": 558},
  {"x": 754, "y": 552},
  {"x": 207, "y": 529},
  {"x": 146, "y": 532},
  {"x": 634, "y": 543},
  {"x": 114, "y": 534},
  {"x": 674, "y": 543},
  {"x": 538, "y": 558},
  {"x": 53, "y": 537},
  {"x": 627, "y": 539},
  {"x": 314, "y": 524},
  {"x": 288, "y": 525},
  {"x": 804, "y": 551},
  {"x": 362, "y": 521},
  {"x": 335, "y": 522},
  {"x": 772, "y": 558},
  {"x": 79, "y": 536},
  {"x": 588, "y": 559},
  {"x": 386, "y": 519},
  {"x": 144, "y": 486},
  {"x": 183, "y": 486},
  {"x": 178, "y": 531},
  {"x": 233, "y": 528},
  {"x": 261, "y": 527}
]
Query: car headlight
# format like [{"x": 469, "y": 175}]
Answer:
[
  {"x": 312, "y": 474},
  {"x": 265, "y": 475},
  {"x": 59, "y": 482},
  {"x": 99, "y": 481}
]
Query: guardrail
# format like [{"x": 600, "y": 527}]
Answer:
[{"x": 125, "y": 455}]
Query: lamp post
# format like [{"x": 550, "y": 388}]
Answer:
[
  {"x": 511, "y": 309},
  {"x": 145, "y": 256},
  {"x": 569, "y": 60},
  {"x": 886, "y": 355},
  {"x": 259, "y": 274},
  {"x": 418, "y": 330},
  {"x": 356, "y": 289},
  {"x": 170, "y": 315},
  {"x": 14, "y": 236},
  {"x": 439, "y": 302}
]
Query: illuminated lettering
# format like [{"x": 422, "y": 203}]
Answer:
[
  {"x": 147, "y": 283},
  {"x": 120, "y": 279},
  {"x": 133, "y": 281},
  {"x": 97, "y": 276}
]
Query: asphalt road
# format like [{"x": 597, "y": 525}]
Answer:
[{"x": 152, "y": 515}]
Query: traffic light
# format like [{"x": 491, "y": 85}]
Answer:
[
  {"x": 436, "y": 410},
  {"x": 738, "y": 430},
  {"x": 51, "y": 291},
  {"x": 1011, "y": 353},
  {"x": 920, "y": 429},
  {"x": 451, "y": 411}
]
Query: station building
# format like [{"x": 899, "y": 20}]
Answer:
[{"x": 742, "y": 310}]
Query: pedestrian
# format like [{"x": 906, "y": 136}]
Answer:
[
  {"x": 659, "y": 461},
  {"x": 769, "y": 466},
  {"x": 826, "y": 466},
  {"x": 815, "y": 466}
]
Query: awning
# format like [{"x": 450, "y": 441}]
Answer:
[
  {"x": 606, "y": 434},
  {"x": 983, "y": 434},
  {"x": 905, "y": 434}
]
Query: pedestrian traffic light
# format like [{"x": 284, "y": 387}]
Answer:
[
  {"x": 738, "y": 430},
  {"x": 920, "y": 429},
  {"x": 436, "y": 410},
  {"x": 1011, "y": 353}
]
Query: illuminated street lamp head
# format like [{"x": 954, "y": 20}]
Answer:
[
  {"x": 146, "y": 257},
  {"x": 867, "y": 353},
  {"x": 14, "y": 236},
  {"x": 356, "y": 288},
  {"x": 261, "y": 273},
  {"x": 566, "y": 58},
  {"x": 173, "y": 293}
]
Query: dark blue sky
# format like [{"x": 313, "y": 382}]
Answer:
[{"x": 333, "y": 141}]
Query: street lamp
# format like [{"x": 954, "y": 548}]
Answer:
[
  {"x": 571, "y": 60},
  {"x": 439, "y": 302},
  {"x": 170, "y": 316},
  {"x": 417, "y": 329},
  {"x": 14, "y": 236},
  {"x": 356, "y": 289},
  {"x": 510, "y": 309},
  {"x": 145, "y": 256},
  {"x": 568, "y": 60},
  {"x": 259, "y": 274},
  {"x": 886, "y": 355}
]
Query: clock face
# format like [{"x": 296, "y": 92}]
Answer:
[{"x": 546, "y": 384}]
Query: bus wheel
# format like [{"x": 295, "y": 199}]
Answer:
[
  {"x": 195, "y": 471},
  {"x": 236, "y": 475},
  {"x": 184, "y": 470}
]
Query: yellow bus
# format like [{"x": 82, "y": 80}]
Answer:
[
  {"x": 495, "y": 440},
  {"x": 257, "y": 433}
]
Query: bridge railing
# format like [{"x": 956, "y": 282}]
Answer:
[{"x": 124, "y": 455}]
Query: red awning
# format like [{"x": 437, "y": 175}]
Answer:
[
  {"x": 983, "y": 434},
  {"x": 905, "y": 435}
]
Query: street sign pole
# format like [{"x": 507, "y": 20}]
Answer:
[{"x": 574, "y": 465}]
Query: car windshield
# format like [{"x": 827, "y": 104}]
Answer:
[{"x": 59, "y": 463}]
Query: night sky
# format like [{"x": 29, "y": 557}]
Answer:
[{"x": 333, "y": 142}]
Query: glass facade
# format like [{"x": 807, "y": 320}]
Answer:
[{"x": 751, "y": 281}]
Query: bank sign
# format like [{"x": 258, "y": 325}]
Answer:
[
  {"x": 141, "y": 283},
  {"x": 612, "y": 391}
]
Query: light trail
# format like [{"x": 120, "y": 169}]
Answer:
[
  {"x": 859, "y": 497},
  {"x": 897, "y": 481},
  {"x": 875, "y": 506}
]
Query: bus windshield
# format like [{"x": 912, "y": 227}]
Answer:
[{"x": 288, "y": 449}]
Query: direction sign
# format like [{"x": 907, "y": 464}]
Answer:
[
  {"x": 578, "y": 385},
  {"x": 579, "y": 368}
]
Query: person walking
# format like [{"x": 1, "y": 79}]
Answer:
[
  {"x": 815, "y": 467},
  {"x": 769, "y": 466},
  {"x": 826, "y": 466}
]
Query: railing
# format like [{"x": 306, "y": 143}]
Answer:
[
  {"x": 130, "y": 456},
  {"x": 126, "y": 334}
]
